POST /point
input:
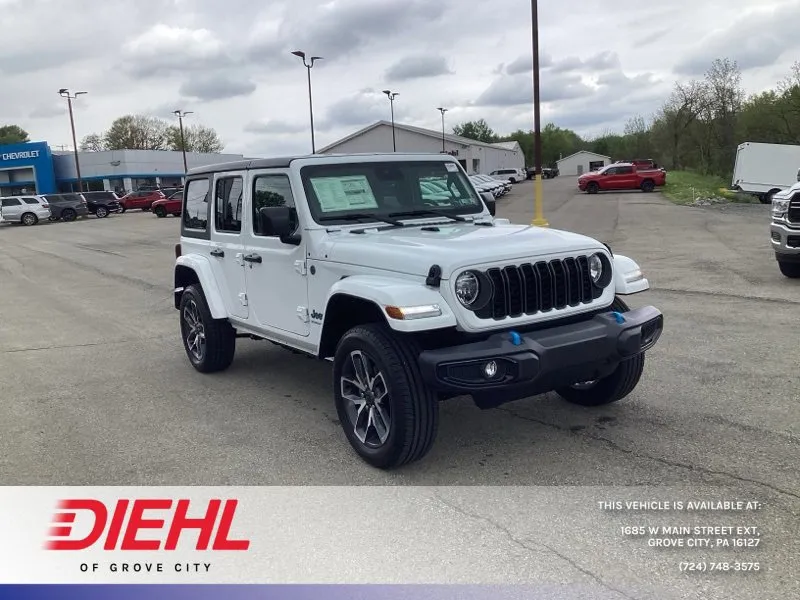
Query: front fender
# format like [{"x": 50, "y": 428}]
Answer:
[
  {"x": 385, "y": 292},
  {"x": 628, "y": 277},
  {"x": 203, "y": 275}
]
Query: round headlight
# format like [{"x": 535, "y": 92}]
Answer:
[
  {"x": 467, "y": 288},
  {"x": 595, "y": 267}
]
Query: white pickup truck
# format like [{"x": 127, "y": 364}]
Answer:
[{"x": 415, "y": 296}]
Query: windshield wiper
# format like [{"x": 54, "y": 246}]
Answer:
[
  {"x": 359, "y": 216},
  {"x": 427, "y": 211}
]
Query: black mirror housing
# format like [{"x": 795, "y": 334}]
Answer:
[
  {"x": 280, "y": 222},
  {"x": 490, "y": 202}
]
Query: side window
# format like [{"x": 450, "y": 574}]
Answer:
[
  {"x": 11, "y": 202},
  {"x": 612, "y": 171},
  {"x": 270, "y": 190},
  {"x": 625, "y": 170},
  {"x": 30, "y": 201},
  {"x": 195, "y": 212},
  {"x": 228, "y": 204}
]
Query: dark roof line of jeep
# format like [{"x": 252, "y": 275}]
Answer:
[{"x": 283, "y": 162}]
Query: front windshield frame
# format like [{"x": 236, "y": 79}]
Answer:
[{"x": 410, "y": 176}]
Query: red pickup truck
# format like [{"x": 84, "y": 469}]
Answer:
[
  {"x": 622, "y": 176},
  {"x": 142, "y": 199}
]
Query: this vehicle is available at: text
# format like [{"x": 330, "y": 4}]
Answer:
[{"x": 415, "y": 292}]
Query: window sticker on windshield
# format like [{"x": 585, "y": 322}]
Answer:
[
  {"x": 352, "y": 192},
  {"x": 451, "y": 167}
]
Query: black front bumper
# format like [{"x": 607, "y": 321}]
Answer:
[{"x": 541, "y": 361}]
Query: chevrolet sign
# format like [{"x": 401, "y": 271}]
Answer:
[{"x": 20, "y": 155}]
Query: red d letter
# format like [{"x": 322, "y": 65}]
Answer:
[{"x": 66, "y": 518}]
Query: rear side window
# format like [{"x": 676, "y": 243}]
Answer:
[
  {"x": 228, "y": 203},
  {"x": 195, "y": 213},
  {"x": 11, "y": 202},
  {"x": 30, "y": 201}
]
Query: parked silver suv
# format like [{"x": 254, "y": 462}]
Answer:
[{"x": 28, "y": 210}]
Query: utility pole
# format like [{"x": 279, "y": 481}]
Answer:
[
  {"x": 180, "y": 114},
  {"x": 442, "y": 110},
  {"x": 308, "y": 66},
  {"x": 392, "y": 95},
  {"x": 538, "y": 218},
  {"x": 64, "y": 93}
]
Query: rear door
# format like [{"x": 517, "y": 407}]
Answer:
[
  {"x": 12, "y": 209},
  {"x": 227, "y": 251}
]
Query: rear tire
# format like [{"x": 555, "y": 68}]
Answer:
[
  {"x": 387, "y": 412},
  {"x": 101, "y": 212},
  {"x": 210, "y": 343},
  {"x": 29, "y": 219},
  {"x": 122, "y": 208},
  {"x": 592, "y": 188},
  {"x": 790, "y": 270},
  {"x": 613, "y": 387},
  {"x": 68, "y": 215},
  {"x": 767, "y": 198}
]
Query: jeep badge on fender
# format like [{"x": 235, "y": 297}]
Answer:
[{"x": 394, "y": 268}]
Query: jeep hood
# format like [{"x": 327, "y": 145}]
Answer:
[{"x": 412, "y": 250}]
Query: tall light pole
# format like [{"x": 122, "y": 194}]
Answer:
[
  {"x": 64, "y": 93},
  {"x": 392, "y": 95},
  {"x": 180, "y": 114},
  {"x": 442, "y": 110},
  {"x": 538, "y": 218},
  {"x": 308, "y": 65}
]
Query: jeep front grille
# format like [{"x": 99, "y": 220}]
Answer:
[
  {"x": 793, "y": 214},
  {"x": 539, "y": 287}
]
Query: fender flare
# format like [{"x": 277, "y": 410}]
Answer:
[
  {"x": 385, "y": 291},
  {"x": 628, "y": 276},
  {"x": 205, "y": 276}
]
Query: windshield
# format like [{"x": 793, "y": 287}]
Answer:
[{"x": 357, "y": 191}]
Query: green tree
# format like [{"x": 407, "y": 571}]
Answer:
[
  {"x": 476, "y": 130},
  {"x": 13, "y": 134},
  {"x": 136, "y": 132},
  {"x": 197, "y": 138}
]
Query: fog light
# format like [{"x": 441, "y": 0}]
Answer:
[{"x": 490, "y": 369}]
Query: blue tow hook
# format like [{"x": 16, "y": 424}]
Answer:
[
  {"x": 618, "y": 316},
  {"x": 516, "y": 338}
]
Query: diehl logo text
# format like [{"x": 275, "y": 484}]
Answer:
[{"x": 169, "y": 517}]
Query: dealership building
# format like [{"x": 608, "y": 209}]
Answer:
[
  {"x": 476, "y": 157},
  {"x": 33, "y": 168}
]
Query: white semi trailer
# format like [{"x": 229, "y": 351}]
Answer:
[{"x": 764, "y": 169}]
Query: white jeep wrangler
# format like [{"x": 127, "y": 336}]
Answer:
[{"x": 394, "y": 268}]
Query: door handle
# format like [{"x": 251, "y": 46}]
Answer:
[
  {"x": 217, "y": 252},
  {"x": 252, "y": 258}
]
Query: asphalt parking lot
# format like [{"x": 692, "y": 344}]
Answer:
[{"x": 97, "y": 389}]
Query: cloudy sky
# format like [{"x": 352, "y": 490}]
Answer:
[{"x": 229, "y": 62}]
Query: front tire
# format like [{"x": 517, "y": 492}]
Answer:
[
  {"x": 592, "y": 188},
  {"x": 387, "y": 412},
  {"x": 160, "y": 211},
  {"x": 613, "y": 387},
  {"x": 209, "y": 343},
  {"x": 790, "y": 270}
]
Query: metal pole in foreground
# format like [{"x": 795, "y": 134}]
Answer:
[
  {"x": 308, "y": 66},
  {"x": 538, "y": 218},
  {"x": 392, "y": 95},
  {"x": 64, "y": 92},
  {"x": 442, "y": 110}
]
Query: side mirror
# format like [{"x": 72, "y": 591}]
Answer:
[
  {"x": 490, "y": 202},
  {"x": 280, "y": 222}
]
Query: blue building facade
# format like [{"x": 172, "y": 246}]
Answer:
[
  {"x": 27, "y": 169},
  {"x": 32, "y": 168}
]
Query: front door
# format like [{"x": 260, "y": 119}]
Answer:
[
  {"x": 276, "y": 272},
  {"x": 226, "y": 251}
]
